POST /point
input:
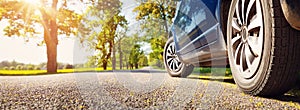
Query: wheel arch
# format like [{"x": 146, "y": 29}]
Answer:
[{"x": 291, "y": 11}]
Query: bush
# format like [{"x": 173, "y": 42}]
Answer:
[
  {"x": 157, "y": 63},
  {"x": 30, "y": 67},
  {"x": 37, "y": 68},
  {"x": 19, "y": 67},
  {"x": 12, "y": 68},
  {"x": 68, "y": 66},
  {"x": 6, "y": 68}
]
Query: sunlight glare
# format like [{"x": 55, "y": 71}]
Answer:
[{"x": 32, "y": 2}]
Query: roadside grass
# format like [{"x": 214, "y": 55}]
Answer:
[
  {"x": 44, "y": 72},
  {"x": 208, "y": 73},
  {"x": 212, "y": 73}
]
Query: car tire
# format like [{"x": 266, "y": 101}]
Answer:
[
  {"x": 173, "y": 65},
  {"x": 262, "y": 47}
]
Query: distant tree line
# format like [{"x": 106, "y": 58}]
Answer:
[{"x": 13, "y": 65}]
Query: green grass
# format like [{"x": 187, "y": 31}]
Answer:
[
  {"x": 216, "y": 71},
  {"x": 42, "y": 72},
  {"x": 211, "y": 77}
]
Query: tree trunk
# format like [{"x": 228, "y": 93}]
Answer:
[
  {"x": 136, "y": 66},
  {"x": 50, "y": 37},
  {"x": 52, "y": 57},
  {"x": 114, "y": 58},
  {"x": 104, "y": 65},
  {"x": 127, "y": 65},
  {"x": 121, "y": 55}
]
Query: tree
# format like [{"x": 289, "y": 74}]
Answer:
[
  {"x": 143, "y": 60},
  {"x": 121, "y": 34},
  {"x": 92, "y": 62},
  {"x": 158, "y": 14},
  {"x": 104, "y": 17},
  {"x": 26, "y": 17},
  {"x": 163, "y": 10},
  {"x": 126, "y": 46},
  {"x": 135, "y": 56}
]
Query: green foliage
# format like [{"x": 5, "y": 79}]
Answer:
[
  {"x": 37, "y": 68},
  {"x": 105, "y": 16},
  {"x": 25, "y": 19},
  {"x": 157, "y": 63},
  {"x": 143, "y": 60},
  {"x": 92, "y": 62},
  {"x": 157, "y": 16},
  {"x": 12, "y": 68},
  {"x": 68, "y": 66},
  {"x": 216, "y": 71},
  {"x": 30, "y": 67},
  {"x": 19, "y": 67},
  {"x": 5, "y": 68},
  {"x": 136, "y": 57},
  {"x": 158, "y": 9},
  {"x": 9, "y": 64}
]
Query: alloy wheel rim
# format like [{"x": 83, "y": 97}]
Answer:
[
  {"x": 247, "y": 37},
  {"x": 172, "y": 60}
]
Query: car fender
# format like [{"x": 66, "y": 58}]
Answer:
[{"x": 291, "y": 11}]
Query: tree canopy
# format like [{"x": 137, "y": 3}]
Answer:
[
  {"x": 104, "y": 18},
  {"x": 26, "y": 19},
  {"x": 156, "y": 16}
]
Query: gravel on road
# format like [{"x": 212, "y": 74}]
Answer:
[{"x": 122, "y": 90}]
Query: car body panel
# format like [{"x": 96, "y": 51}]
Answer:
[
  {"x": 197, "y": 29},
  {"x": 197, "y": 33}
]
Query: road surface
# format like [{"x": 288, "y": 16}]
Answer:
[{"x": 142, "y": 89}]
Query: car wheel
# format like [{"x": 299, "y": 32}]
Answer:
[
  {"x": 262, "y": 47},
  {"x": 173, "y": 65}
]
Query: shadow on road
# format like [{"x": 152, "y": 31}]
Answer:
[
  {"x": 288, "y": 98},
  {"x": 291, "y": 96},
  {"x": 138, "y": 71},
  {"x": 216, "y": 79}
]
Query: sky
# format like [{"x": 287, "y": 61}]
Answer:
[{"x": 69, "y": 49}]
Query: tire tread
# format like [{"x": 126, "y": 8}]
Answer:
[{"x": 284, "y": 61}]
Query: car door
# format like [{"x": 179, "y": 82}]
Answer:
[{"x": 197, "y": 30}]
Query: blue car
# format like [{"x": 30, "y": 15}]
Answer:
[{"x": 258, "y": 39}]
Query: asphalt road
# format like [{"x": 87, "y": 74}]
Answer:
[{"x": 141, "y": 89}]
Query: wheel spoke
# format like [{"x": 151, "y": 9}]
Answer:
[
  {"x": 238, "y": 13},
  {"x": 173, "y": 49},
  {"x": 256, "y": 20},
  {"x": 254, "y": 48},
  {"x": 254, "y": 23},
  {"x": 237, "y": 51},
  {"x": 174, "y": 65},
  {"x": 235, "y": 25},
  {"x": 248, "y": 9},
  {"x": 179, "y": 63},
  {"x": 242, "y": 58},
  {"x": 169, "y": 50},
  {"x": 247, "y": 36},
  {"x": 243, "y": 11},
  {"x": 248, "y": 55},
  {"x": 170, "y": 65},
  {"x": 258, "y": 9},
  {"x": 235, "y": 39},
  {"x": 168, "y": 60}
]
